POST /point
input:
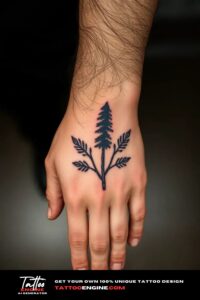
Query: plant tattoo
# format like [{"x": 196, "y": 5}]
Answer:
[{"x": 103, "y": 141}]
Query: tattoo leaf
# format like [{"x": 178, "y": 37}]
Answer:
[
  {"x": 80, "y": 146},
  {"x": 81, "y": 165},
  {"x": 122, "y": 161},
  {"x": 123, "y": 140}
]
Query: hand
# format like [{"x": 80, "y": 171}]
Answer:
[
  {"x": 103, "y": 188},
  {"x": 103, "y": 215}
]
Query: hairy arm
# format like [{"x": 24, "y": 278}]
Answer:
[{"x": 112, "y": 38}]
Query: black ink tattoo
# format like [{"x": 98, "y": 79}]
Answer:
[{"x": 103, "y": 141}]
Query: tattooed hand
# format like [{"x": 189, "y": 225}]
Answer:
[
  {"x": 97, "y": 169},
  {"x": 95, "y": 166}
]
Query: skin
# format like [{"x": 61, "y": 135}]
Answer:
[{"x": 104, "y": 220}]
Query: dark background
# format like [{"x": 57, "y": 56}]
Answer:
[{"x": 37, "y": 53}]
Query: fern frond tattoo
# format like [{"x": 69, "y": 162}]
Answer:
[{"x": 103, "y": 141}]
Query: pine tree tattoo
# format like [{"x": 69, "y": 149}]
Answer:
[{"x": 103, "y": 141}]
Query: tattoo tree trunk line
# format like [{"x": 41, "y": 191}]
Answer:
[{"x": 103, "y": 141}]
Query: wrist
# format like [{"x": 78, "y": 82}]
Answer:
[
  {"x": 125, "y": 93},
  {"x": 123, "y": 100}
]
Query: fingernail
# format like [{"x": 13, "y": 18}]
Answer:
[
  {"x": 81, "y": 269},
  {"x": 116, "y": 266},
  {"x": 134, "y": 242},
  {"x": 49, "y": 213}
]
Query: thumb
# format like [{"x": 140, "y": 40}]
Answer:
[{"x": 53, "y": 193}]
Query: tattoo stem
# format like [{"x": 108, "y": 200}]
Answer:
[
  {"x": 103, "y": 175},
  {"x": 93, "y": 163},
  {"x": 111, "y": 160}
]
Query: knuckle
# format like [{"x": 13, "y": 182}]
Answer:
[
  {"x": 119, "y": 236},
  {"x": 121, "y": 197},
  {"x": 118, "y": 256},
  {"x": 73, "y": 191},
  {"x": 139, "y": 214},
  {"x": 49, "y": 195},
  {"x": 99, "y": 205},
  {"x": 101, "y": 198},
  {"x": 99, "y": 247},
  {"x": 53, "y": 197},
  {"x": 140, "y": 179},
  {"x": 78, "y": 242},
  {"x": 136, "y": 233},
  {"x": 74, "y": 203},
  {"x": 119, "y": 186}
]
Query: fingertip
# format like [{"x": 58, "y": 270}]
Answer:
[
  {"x": 54, "y": 212},
  {"x": 134, "y": 242}
]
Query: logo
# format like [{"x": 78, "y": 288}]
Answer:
[{"x": 32, "y": 285}]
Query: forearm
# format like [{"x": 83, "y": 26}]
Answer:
[{"x": 112, "y": 39}]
